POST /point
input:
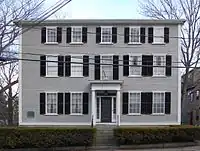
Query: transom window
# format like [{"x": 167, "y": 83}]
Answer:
[
  {"x": 135, "y": 65},
  {"x": 159, "y": 103},
  {"x": 106, "y": 34},
  {"x": 76, "y": 34},
  {"x": 134, "y": 103},
  {"x": 134, "y": 34},
  {"x": 77, "y": 66},
  {"x": 51, "y": 34},
  {"x": 51, "y": 103},
  {"x": 52, "y": 67},
  {"x": 158, "y": 35},
  {"x": 76, "y": 103},
  {"x": 159, "y": 61},
  {"x": 107, "y": 68}
]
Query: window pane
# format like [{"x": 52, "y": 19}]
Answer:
[
  {"x": 76, "y": 34},
  {"x": 159, "y": 35},
  {"x": 106, "y": 35},
  {"x": 98, "y": 106},
  {"x": 159, "y": 61},
  {"x": 77, "y": 66},
  {"x": 107, "y": 68},
  {"x": 51, "y": 35},
  {"x": 76, "y": 103},
  {"x": 135, "y": 62},
  {"x": 52, "y": 67},
  {"x": 134, "y": 34},
  {"x": 134, "y": 103},
  {"x": 51, "y": 103},
  {"x": 158, "y": 103}
]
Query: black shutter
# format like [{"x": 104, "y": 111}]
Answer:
[
  {"x": 85, "y": 66},
  {"x": 85, "y": 103},
  {"x": 166, "y": 35},
  {"x": 67, "y": 103},
  {"x": 84, "y": 34},
  {"x": 146, "y": 103},
  {"x": 115, "y": 67},
  {"x": 69, "y": 32},
  {"x": 60, "y": 103},
  {"x": 97, "y": 68},
  {"x": 168, "y": 70},
  {"x": 60, "y": 66},
  {"x": 126, "y": 35},
  {"x": 142, "y": 35},
  {"x": 150, "y": 34},
  {"x": 67, "y": 66},
  {"x": 59, "y": 34},
  {"x": 43, "y": 35},
  {"x": 126, "y": 65},
  {"x": 167, "y": 102},
  {"x": 114, "y": 34},
  {"x": 42, "y": 103},
  {"x": 125, "y": 103},
  {"x": 147, "y": 65},
  {"x": 98, "y": 34},
  {"x": 42, "y": 65}
]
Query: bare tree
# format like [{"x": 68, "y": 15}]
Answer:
[{"x": 190, "y": 32}]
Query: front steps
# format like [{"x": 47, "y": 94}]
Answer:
[{"x": 105, "y": 136}]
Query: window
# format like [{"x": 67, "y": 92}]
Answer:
[
  {"x": 98, "y": 108},
  {"x": 51, "y": 103},
  {"x": 76, "y": 34},
  {"x": 159, "y": 61},
  {"x": 77, "y": 66},
  {"x": 107, "y": 68},
  {"x": 52, "y": 67},
  {"x": 197, "y": 94},
  {"x": 76, "y": 103},
  {"x": 51, "y": 34},
  {"x": 135, "y": 65},
  {"x": 134, "y": 34},
  {"x": 106, "y": 34},
  {"x": 159, "y": 103},
  {"x": 158, "y": 35},
  {"x": 135, "y": 103}
]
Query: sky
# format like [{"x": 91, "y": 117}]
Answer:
[{"x": 98, "y": 9}]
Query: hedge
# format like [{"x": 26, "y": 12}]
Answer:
[
  {"x": 133, "y": 136},
  {"x": 45, "y": 137}
]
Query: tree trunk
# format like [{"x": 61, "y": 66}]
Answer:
[{"x": 10, "y": 107}]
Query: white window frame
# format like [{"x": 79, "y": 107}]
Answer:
[
  {"x": 103, "y": 27},
  {"x": 72, "y": 35},
  {"x": 140, "y": 63},
  {"x": 163, "y": 92},
  {"x": 101, "y": 61},
  {"x": 129, "y": 93},
  {"x": 75, "y": 92},
  {"x": 155, "y": 28},
  {"x": 155, "y": 74},
  {"x": 51, "y": 92},
  {"x": 81, "y": 65},
  {"x": 130, "y": 38},
  {"x": 51, "y": 55},
  {"x": 47, "y": 39}
]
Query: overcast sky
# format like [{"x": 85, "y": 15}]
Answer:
[{"x": 98, "y": 9}]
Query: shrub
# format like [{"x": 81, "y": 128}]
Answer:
[
  {"x": 45, "y": 137},
  {"x": 131, "y": 136}
]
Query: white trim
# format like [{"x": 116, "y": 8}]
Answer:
[
  {"x": 151, "y": 123},
  {"x": 72, "y": 39},
  {"x": 129, "y": 92},
  {"x": 134, "y": 43},
  {"x": 114, "y": 86},
  {"x": 51, "y": 27},
  {"x": 20, "y": 80},
  {"x": 179, "y": 77},
  {"x": 102, "y": 34},
  {"x": 53, "y": 123},
  {"x": 75, "y": 92},
  {"x": 51, "y": 43}
]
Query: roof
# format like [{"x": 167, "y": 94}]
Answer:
[{"x": 100, "y": 21}]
